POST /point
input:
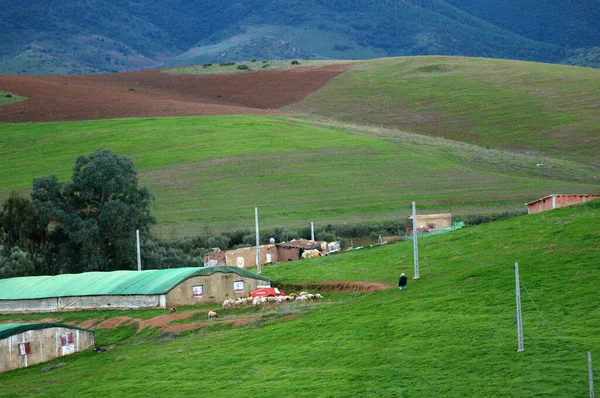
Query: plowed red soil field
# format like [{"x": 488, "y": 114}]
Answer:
[{"x": 153, "y": 93}]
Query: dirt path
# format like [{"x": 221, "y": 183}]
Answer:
[
  {"x": 337, "y": 286},
  {"x": 152, "y": 94}
]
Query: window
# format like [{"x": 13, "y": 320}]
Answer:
[
  {"x": 66, "y": 339},
  {"x": 198, "y": 291},
  {"x": 238, "y": 286},
  {"x": 24, "y": 349}
]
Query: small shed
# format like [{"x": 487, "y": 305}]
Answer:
[
  {"x": 433, "y": 221},
  {"x": 22, "y": 345},
  {"x": 215, "y": 258},
  {"x": 127, "y": 289},
  {"x": 245, "y": 257},
  {"x": 556, "y": 201},
  {"x": 292, "y": 250}
]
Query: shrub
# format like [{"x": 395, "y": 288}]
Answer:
[
  {"x": 243, "y": 67},
  {"x": 294, "y": 62}
]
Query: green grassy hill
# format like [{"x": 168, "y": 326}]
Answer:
[
  {"x": 451, "y": 334},
  {"x": 539, "y": 108},
  {"x": 208, "y": 173}
]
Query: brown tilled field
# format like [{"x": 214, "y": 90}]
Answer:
[{"x": 153, "y": 93}]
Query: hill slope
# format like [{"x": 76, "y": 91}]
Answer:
[
  {"x": 208, "y": 173},
  {"x": 451, "y": 334},
  {"x": 546, "y": 109},
  {"x": 96, "y": 36}
]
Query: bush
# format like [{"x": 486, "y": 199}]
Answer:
[
  {"x": 243, "y": 67},
  {"x": 294, "y": 62}
]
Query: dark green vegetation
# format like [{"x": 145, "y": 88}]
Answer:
[
  {"x": 546, "y": 109},
  {"x": 451, "y": 334},
  {"x": 83, "y": 37},
  {"x": 208, "y": 173},
  {"x": 85, "y": 224}
]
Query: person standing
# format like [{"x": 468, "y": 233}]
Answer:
[{"x": 402, "y": 281}]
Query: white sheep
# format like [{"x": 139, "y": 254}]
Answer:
[
  {"x": 318, "y": 296},
  {"x": 228, "y": 303},
  {"x": 301, "y": 299},
  {"x": 212, "y": 314}
]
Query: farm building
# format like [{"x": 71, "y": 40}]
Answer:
[
  {"x": 127, "y": 289},
  {"x": 293, "y": 250},
  {"x": 245, "y": 257},
  {"x": 22, "y": 345},
  {"x": 433, "y": 221},
  {"x": 214, "y": 258},
  {"x": 556, "y": 201},
  {"x": 296, "y": 249}
]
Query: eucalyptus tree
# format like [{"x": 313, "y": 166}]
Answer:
[{"x": 85, "y": 224}]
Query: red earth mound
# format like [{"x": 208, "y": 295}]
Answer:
[{"x": 153, "y": 93}]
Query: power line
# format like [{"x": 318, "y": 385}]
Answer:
[{"x": 551, "y": 328}]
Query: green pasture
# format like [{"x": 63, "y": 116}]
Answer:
[
  {"x": 452, "y": 333},
  {"x": 10, "y": 98},
  {"x": 208, "y": 173},
  {"x": 543, "y": 108}
]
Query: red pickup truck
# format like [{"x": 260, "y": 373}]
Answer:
[{"x": 267, "y": 292}]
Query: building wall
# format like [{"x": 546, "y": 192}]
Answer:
[
  {"x": 246, "y": 257},
  {"x": 214, "y": 289},
  {"x": 57, "y": 304},
  {"x": 45, "y": 345},
  {"x": 288, "y": 254}
]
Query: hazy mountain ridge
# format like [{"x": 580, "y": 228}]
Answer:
[{"x": 44, "y": 37}]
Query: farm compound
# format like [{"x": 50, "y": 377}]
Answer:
[
  {"x": 293, "y": 250},
  {"x": 22, "y": 345},
  {"x": 163, "y": 288}
]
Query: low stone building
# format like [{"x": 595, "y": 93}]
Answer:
[
  {"x": 555, "y": 201},
  {"x": 293, "y": 249},
  {"x": 23, "y": 345},
  {"x": 433, "y": 221},
  {"x": 245, "y": 257},
  {"x": 163, "y": 288}
]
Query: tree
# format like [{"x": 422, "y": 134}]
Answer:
[{"x": 86, "y": 224}]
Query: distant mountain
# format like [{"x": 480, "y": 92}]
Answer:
[{"x": 84, "y": 36}]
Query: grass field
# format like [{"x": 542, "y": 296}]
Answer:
[
  {"x": 451, "y": 334},
  {"x": 543, "y": 108},
  {"x": 208, "y": 173},
  {"x": 10, "y": 98}
]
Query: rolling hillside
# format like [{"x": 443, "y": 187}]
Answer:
[
  {"x": 451, "y": 334},
  {"x": 493, "y": 135},
  {"x": 96, "y": 36},
  {"x": 541, "y": 108}
]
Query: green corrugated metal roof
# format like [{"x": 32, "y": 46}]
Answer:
[
  {"x": 159, "y": 281},
  {"x": 10, "y": 329}
]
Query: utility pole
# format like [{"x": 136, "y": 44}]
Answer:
[
  {"x": 519, "y": 319},
  {"x": 312, "y": 231},
  {"x": 139, "y": 255},
  {"x": 591, "y": 372},
  {"x": 257, "y": 241},
  {"x": 415, "y": 243}
]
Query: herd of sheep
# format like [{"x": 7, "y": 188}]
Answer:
[{"x": 302, "y": 297}]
